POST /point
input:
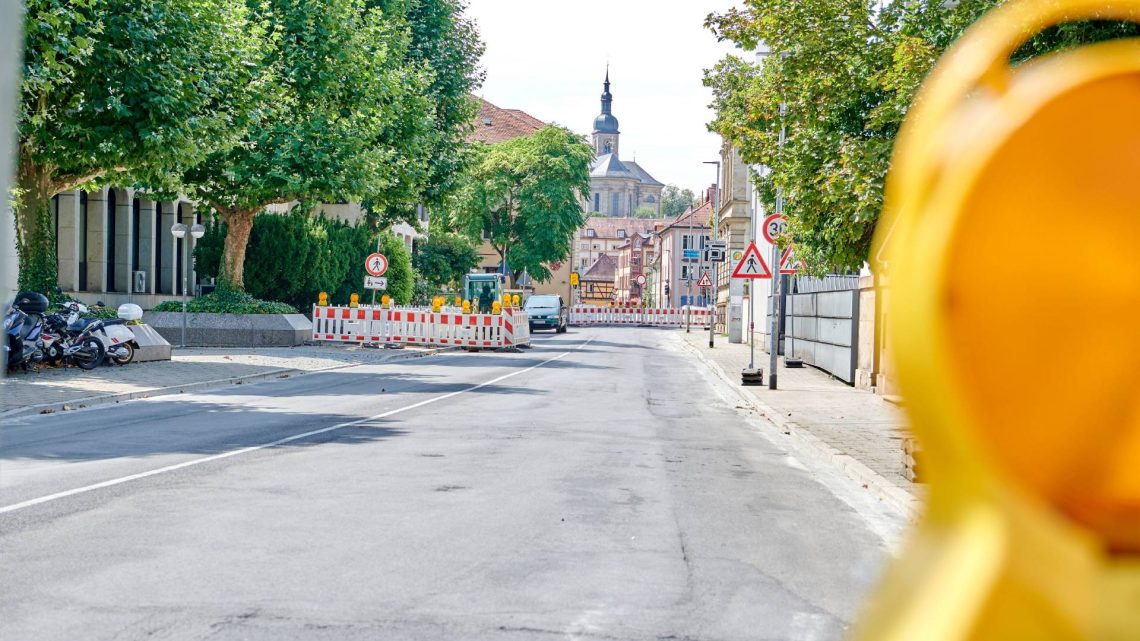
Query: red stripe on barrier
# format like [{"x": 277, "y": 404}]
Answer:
[{"x": 344, "y": 313}]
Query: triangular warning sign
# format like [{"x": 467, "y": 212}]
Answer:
[
  {"x": 789, "y": 264},
  {"x": 705, "y": 281},
  {"x": 752, "y": 264}
]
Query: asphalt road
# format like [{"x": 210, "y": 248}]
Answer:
[{"x": 598, "y": 486}]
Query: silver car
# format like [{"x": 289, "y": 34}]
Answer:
[{"x": 547, "y": 311}]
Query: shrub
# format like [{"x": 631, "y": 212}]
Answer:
[{"x": 228, "y": 301}]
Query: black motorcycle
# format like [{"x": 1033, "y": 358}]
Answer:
[
  {"x": 32, "y": 336},
  {"x": 79, "y": 345}
]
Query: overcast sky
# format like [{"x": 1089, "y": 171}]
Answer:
[{"x": 548, "y": 58}]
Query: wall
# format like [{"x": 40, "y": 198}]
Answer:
[{"x": 822, "y": 329}]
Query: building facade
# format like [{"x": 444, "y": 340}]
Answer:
[
  {"x": 734, "y": 206},
  {"x": 618, "y": 187},
  {"x": 672, "y": 276},
  {"x": 633, "y": 259}
]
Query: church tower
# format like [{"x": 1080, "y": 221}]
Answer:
[{"x": 605, "y": 125}]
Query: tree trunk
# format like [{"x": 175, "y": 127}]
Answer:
[
  {"x": 239, "y": 223},
  {"x": 35, "y": 234}
]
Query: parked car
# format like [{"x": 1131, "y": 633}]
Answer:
[{"x": 547, "y": 311}]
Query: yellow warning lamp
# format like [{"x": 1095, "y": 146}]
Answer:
[
  {"x": 466, "y": 307},
  {"x": 458, "y": 301},
  {"x": 515, "y": 300},
  {"x": 354, "y": 300},
  {"x": 1011, "y": 223},
  {"x": 385, "y": 301},
  {"x": 496, "y": 308},
  {"x": 323, "y": 299}
]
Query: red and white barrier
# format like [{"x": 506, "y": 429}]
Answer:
[
  {"x": 367, "y": 324},
  {"x": 653, "y": 316}
]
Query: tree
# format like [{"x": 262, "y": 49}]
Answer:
[
  {"x": 645, "y": 212},
  {"x": 846, "y": 72},
  {"x": 444, "y": 258},
  {"x": 122, "y": 91},
  {"x": 674, "y": 201},
  {"x": 342, "y": 121},
  {"x": 401, "y": 277},
  {"x": 445, "y": 44},
  {"x": 526, "y": 194}
]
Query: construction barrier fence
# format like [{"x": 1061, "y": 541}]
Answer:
[
  {"x": 651, "y": 316},
  {"x": 367, "y": 324}
]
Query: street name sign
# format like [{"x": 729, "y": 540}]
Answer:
[
  {"x": 376, "y": 264},
  {"x": 692, "y": 254},
  {"x": 375, "y": 282},
  {"x": 752, "y": 264},
  {"x": 774, "y": 225}
]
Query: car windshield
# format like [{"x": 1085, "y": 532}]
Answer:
[{"x": 542, "y": 302}]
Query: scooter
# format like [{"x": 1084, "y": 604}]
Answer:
[{"x": 23, "y": 346}]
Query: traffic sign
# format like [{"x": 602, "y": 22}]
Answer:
[
  {"x": 691, "y": 254},
  {"x": 705, "y": 281},
  {"x": 375, "y": 282},
  {"x": 640, "y": 279},
  {"x": 789, "y": 264},
  {"x": 774, "y": 225},
  {"x": 752, "y": 265},
  {"x": 574, "y": 279},
  {"x": 714, "y": 255},
  {"x": 376, "y": 264}
]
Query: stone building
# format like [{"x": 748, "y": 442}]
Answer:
[
  {"x": 672, "y": 277},
  {"x": 618, "y": 187}
]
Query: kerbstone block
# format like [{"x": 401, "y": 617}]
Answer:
[{"x": 232, "y": 330}]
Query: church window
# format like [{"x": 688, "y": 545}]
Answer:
[
  {"x": 649, "y": 199},
  {"x": 597, "y": 202},
  {"x": 614, "y": 211}
]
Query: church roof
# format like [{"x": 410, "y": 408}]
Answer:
[
  {"x": 609, "y": 166},
  {"x": 640, "y": 173},
  {"x": 603, "y": 269},
  {"x": 495, "y": 124}
]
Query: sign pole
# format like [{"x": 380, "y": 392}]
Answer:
[{"x": 774, "y": 337}]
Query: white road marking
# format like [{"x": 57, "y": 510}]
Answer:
[{"x": 289, "y": 439}]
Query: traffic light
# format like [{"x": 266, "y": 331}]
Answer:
[{"x": 1009, "y": 240}]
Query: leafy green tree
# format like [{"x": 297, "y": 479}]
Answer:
[
  {"x": 645, "y": 212},
  {"x": 444, "y": 258},
  {"x": 527, "y": 195},
  {"x": 674, "y": 201},
  {"x": 847, "y": 71},
  {"x": 401, "y": 277},
  {"x": 342, "y": 121},
  {"x": 445, "y": 44},
  {"x": 123, "y": 91}
]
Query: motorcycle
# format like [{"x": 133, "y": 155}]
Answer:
[
  {"x": 118, "y": 340},
  {"x": 81, "y": 346},
  {"x": 23, "y": 346}
]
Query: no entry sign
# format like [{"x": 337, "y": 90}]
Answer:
[{"x": 376, "y": 264}]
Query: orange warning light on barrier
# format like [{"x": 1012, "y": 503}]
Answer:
[
  {"x": 354, "y": 300},
  {"x": 1032, "y": 526},
  {"x": 323, "y": 299}
]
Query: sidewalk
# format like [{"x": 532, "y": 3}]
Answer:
[
  {"x": 858, "y": 430},
  {"x": 56, "y": 389}
]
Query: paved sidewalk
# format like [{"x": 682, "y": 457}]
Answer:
[
  {"x": 858, "y": 430},
  {"x": 62, "y": 389}
]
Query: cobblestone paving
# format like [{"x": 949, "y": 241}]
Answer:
[
  {"x": 188, "y": 366},
  {"x": 855, "y": 422}
]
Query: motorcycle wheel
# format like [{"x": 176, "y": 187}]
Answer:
[
  {"x": 128, "y": 357},
  {"x": 54, "y": 354},
  {"x": 91, "y": 354}
]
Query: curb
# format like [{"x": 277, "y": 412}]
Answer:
[
  {"x": 200, "y": 386},
  {"x": 907, "y": 504}
]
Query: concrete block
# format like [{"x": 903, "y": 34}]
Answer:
[
  {"x": 232, "y": 330},
  {"x": 152, "y": 346},
  {"x": 836, "y": 304}
]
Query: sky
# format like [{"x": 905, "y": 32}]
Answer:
[{"x": 548, "y": 58}]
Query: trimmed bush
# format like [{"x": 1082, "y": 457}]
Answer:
[{"x": 227, "y": 302}]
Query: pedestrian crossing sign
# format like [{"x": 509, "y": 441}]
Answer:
[{"x": 752, "y": 264}]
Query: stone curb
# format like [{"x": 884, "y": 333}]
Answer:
[
  {"x": 106, "y": 399},
  {"x": 898, "y": 498}
]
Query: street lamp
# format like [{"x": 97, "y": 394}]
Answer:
[
  {"x": 178, "y": 231},
  {"x": 712, "y": 266},
  {"x": 763, "y": 51}
]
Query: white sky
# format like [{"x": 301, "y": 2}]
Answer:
[{"x": 548, "y": 58}]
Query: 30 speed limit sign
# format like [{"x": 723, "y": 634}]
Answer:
[{"x": 774, "y": 225}]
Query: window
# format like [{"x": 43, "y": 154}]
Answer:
[
  {"x": 486, "y": 234},
  {"x": 636, "y": 259},
  {"x": 597, "y": 202},
  {"x": 590, "y": 233},
  {"x": 621, "y": 233},
  {"x": 685, "y": 273},
  {"x": 583, "y": 263},
  {"x": 614, "y": 205},
  {"x": 686, "y": 242},
  {"x": 649, "y": 199},
  {"x": 422, "y": 213}
]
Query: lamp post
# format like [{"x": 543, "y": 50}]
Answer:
[
  {"x": 763, "y": 51},
  {"x": 178, "y": 231},
  {"x": 715, "y": 231}
]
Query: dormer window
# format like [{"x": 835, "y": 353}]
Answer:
[
  {"x": 621, "y": 233},
  {"x": 590, "y": 233}
]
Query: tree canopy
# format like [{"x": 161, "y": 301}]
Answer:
[
  {"x": 847, "y": 72},
  {"x": 444, "y": 258},
  {"x": 123, "y": 91},
  {"x": 526, "y": 196},
  {"x": 341, "y": 118},
  {"x": 674, "y": 201}
]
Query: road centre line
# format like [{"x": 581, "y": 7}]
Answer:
[{"x": 289, "y": 439}]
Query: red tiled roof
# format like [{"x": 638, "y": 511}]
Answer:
[
  {"x": 700, "y": 217},
  {"x": 505, "y": 124},
  {"x": 603, "y": 269},
  {"x": 606, "y": 227}
]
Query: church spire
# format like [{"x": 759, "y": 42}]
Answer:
[{"x": 605, "y": 123}]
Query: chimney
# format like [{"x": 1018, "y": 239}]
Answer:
[{"x": 710, "y": 193}]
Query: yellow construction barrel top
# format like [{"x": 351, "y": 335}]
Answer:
[{"x": 1011, "y": 245}]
